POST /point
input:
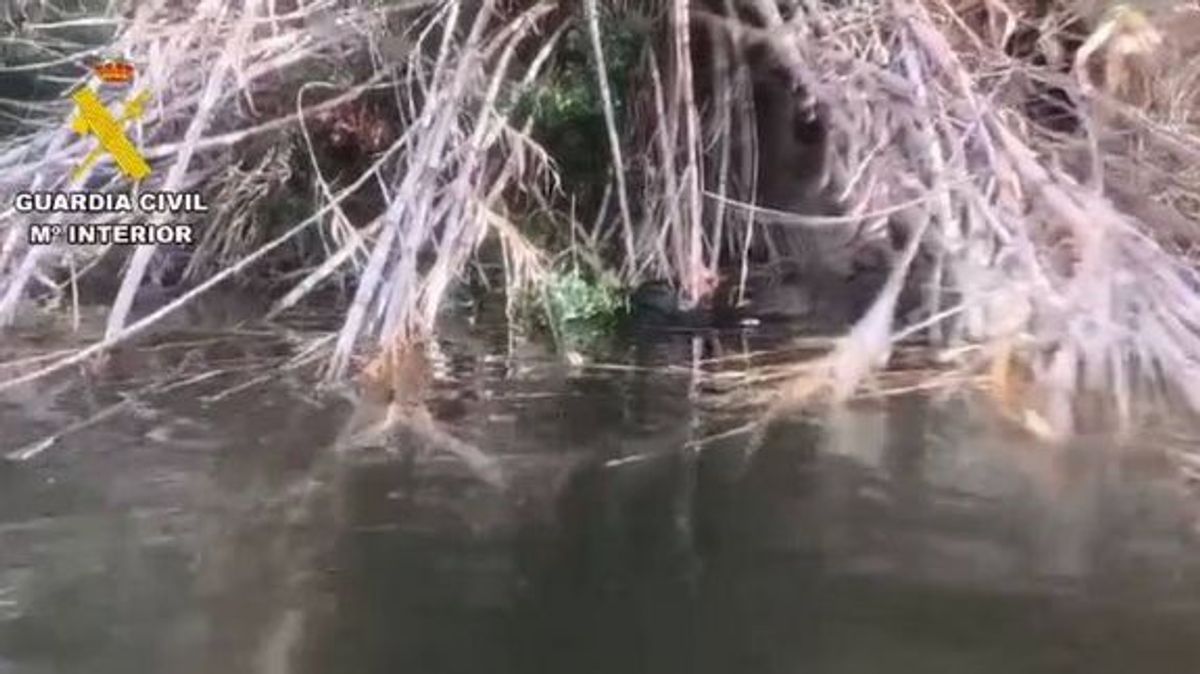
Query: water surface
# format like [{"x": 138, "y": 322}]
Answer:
[{"x": 206, "y": 528}]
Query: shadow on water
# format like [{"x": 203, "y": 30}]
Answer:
[{"x": 906, "y": 536}]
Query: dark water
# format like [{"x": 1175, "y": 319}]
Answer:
[{"x": 196, "y": 529}]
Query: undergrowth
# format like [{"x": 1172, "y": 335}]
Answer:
[
  {"x": 465, "y": 123},
  {"x": 580, "y": 310},
  {"x": 567, "y": 113}
]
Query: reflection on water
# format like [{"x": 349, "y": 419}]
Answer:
[{"x": 208, "y": 534}]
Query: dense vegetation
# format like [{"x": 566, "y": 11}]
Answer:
[{"x": 1026, "y": 171}]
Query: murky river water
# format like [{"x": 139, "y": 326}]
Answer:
[{"x": 198, "y": 529}]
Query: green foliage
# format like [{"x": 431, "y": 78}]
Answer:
[
  {"x": 579, "y": 309},
  {"x": 567, "y": 112}
]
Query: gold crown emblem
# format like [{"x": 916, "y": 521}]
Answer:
[{"x": 114, "y": 72}]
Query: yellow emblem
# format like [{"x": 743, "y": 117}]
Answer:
[{"x": 95, "y": 119}]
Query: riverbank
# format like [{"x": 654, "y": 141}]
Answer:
[{"x": 405, "y": 156}]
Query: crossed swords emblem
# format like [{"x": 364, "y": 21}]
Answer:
[{"x": 95, "y": 119}]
